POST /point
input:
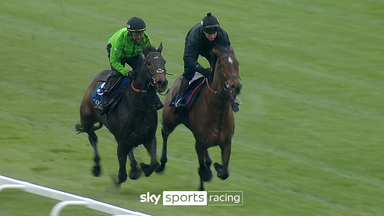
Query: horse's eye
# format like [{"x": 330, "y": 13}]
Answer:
[
  {"x": 149, "y": 63},
  {"x": 165, "y": 62}
]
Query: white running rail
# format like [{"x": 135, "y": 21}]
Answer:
[{"x": 66, "y": 199}]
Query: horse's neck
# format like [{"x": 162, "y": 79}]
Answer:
[
  {"x": 217, "y": 84},
  {"x": 215, "y": 94},
  {"x": 141, "y": 93},
  {"x": 141, "y": 82}
]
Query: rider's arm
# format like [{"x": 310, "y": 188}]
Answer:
[
  {"x": 191, "y": 53},
  {"x": 115, "y": 56}
]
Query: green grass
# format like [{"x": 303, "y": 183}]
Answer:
[{"x": 308, "y": 136}]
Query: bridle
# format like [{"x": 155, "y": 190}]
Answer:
[
  {"x": 152, "y": 80},
  {"x": 226, "y": 86}
]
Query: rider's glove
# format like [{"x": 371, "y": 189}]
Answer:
[
  {"x": 132, "y": 74},
  {"x": 206, "y": 72}
]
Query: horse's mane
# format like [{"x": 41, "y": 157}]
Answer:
[
  {"x": 151, "y": 49},
  {"x": 224, "y": 49},
  {"x": 148, "y": 49}
]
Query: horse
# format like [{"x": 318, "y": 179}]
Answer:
[
  {"x": 133, "y": 121},
  {"x": 210, "y": 119}
]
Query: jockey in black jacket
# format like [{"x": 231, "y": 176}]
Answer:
[{"x": 200, "y": 40}]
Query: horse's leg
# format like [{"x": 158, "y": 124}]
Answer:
[
  {"x": 163, "y": 159},
  {"x": 222, "y": 170},
  {"x": 208, "y": 163},
  {"x": 122, "y": 153},
  {"x": 92, "y": 137},
  {"x": 170, "y": 122},
  {"x": 205, "y": 172},
  {"x": 151, "y": 148},
  {"x": 135, "y": 172}
]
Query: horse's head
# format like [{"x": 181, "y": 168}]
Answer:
[
  {"x": 154, "y": 68},
  {"x": 227, "y": 67}
]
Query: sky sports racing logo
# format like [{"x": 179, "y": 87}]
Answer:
[{"x": 190, "y": 198}]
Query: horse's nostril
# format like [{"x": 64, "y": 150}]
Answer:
[
  {"x": 162, "y": 82},
  {"x": 236, "y": 89}
]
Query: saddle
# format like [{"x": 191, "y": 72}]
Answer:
[
  {"x": 114, "y": 96},
  {"x": 193, "y": 90}
]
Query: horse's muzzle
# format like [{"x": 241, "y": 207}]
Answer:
[
  {"x": 236, "y": 89},
  {"x": 161, "y": 85}
]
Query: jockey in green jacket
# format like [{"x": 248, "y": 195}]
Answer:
[{"x": 125, "y": 47}]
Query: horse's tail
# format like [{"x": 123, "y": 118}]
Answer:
[{"x": 80, "y": 129}]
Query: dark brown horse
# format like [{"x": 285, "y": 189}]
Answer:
[
  {"x": 210, "y": 118},
  {"x": 134, "y": 119}
]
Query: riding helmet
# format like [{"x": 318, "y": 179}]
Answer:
[
  {"x": 135, "y": 24},
  {"x": 210, "y": 24}
]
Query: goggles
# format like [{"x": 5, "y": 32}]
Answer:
[
  {"x": 137, "y": 33},
  {"x": 211, "y": 29}
]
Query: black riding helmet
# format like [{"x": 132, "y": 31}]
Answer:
[
  {"x": 210, "y": 24},
  {"x": 135, "y": 24}
]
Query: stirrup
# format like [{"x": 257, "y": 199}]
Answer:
[
  {"x": 178, "y": 103},
  {"x": 179, "y": 107}
]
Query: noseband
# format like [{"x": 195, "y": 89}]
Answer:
[{"x": 153, "y": 80}]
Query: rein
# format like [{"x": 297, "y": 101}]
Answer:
[
  {"x": 137, "y": 90},
  {"x": 213, "y": 91},
  {"x": 223, "y": 99}
]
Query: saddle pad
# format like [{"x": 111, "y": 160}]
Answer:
[
  {"x": 98, "y": 93},
  {"x": 96, "y": 96},
  {"x": 190, "y": 96}
]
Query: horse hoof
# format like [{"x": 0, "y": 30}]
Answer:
[
  {"x": 222, "y": 175},
  {"x": 218, "y": 167},
  {"x": 205, "y": 175},
  {"x": 134, "y": 175},
  {"x": 148, "y": 169},
  {"x": 160, "y": 168},
  {"x": 208, "y": 176},
  {"x": 96, "y": 170},
  {"x": 122, "y": 178}
]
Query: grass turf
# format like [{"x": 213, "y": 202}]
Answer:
[{"x": 308, "y": 137}]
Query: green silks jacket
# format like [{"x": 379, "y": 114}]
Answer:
[{"x": 124, "y": 46}]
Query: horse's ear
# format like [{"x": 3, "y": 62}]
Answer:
[
  {"x": 231, "y": 50},
  {"x": 145, "y": 50},
  {"x": 160, "y": 47}
]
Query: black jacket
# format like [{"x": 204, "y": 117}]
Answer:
[{"x": 197, "y": 44}]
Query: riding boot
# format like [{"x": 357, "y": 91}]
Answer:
[
  {"x": 157, "y": 102},
  {"x": 109, "y": 85},
  {"x": 101, "y": 108},
  {"x": 180, "y": 106}
]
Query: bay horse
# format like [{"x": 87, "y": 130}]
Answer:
[
  {"x": 210, "y": 118},
  {"x": 134, "y": 119}
]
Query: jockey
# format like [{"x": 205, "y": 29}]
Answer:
[
  {"x": 124, "y": 47},
  {"x": 200, "y": 40}
]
